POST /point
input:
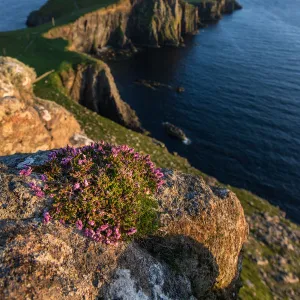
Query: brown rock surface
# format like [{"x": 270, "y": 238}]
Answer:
[
  {"x": 195, "y": 255},
  {"x": 151, "y": 23},
  {"x": 27, "y": 123}
]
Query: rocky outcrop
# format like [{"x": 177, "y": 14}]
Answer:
[
  {"x": 195, "y": 254},
  {"x": 174, "y": 131},
  {"x": 151, "y": 23},
  {"x": 212, "y": 10},
  {"x": 35, "y": 18},
  {"x": 27, "y": 123},
  {"x": 93, "y": 86}
]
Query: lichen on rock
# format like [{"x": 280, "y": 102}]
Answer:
[{"x": 195, "y": 254}]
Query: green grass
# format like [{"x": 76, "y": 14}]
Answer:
[
  {"x": 259, "y": 290},
  {"x": 58, "y": 8},
  {"x": 29, "y": 46}
]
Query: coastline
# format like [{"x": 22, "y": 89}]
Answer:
[{"x": 260, "y": 213}]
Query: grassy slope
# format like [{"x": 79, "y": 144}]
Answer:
[{"x": 30, "y": 47}]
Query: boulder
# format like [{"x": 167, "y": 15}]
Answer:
[
  {"x": 175, "y": 131},
  {"x": 28, "y": 123},
  {"x": 196, "y": 253}
]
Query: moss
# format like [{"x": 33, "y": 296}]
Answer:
[{"x": 259, "y": 289}]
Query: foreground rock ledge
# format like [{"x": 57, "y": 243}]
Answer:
[{"x": 195, "y": 255}]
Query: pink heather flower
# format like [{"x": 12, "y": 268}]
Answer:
[
  {"x": 32, "y": 185},
  {"x": 108, "y": 232},
  {"x": 86, "y": 183},
  {"x": 66, "y": 160},
  {"x": 117, "y": 234},
  {"x": 91, "y": 233},
  {"x": 40, "y": 193},
  {"x": 76, "y": 186},
  {"x": 79, "y": 224},
  {"x": 131, "y": 231},
  {"x": 61, "y": 221},
  {"x": 26, "y": 172},
  {"x": 43, "y": 177},
  {"x": 92, "y": 223},
  {"x": 82, "y": 161},
  {"x": 86, "y": 232},
  {"x": 103, "y": 227},
  {"x": 161, "y": 182},
  {"x": 52, "y": 155},
  {"x": 47, "y": 218}
]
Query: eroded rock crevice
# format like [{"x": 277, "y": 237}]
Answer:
[{"x": 93, "y": 86}]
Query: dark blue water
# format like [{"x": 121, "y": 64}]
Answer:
[
  {"x": 241, "y": 105},
  {"x": 13, "y": 13}
]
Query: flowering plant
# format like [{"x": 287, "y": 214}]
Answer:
[{"x": 106, "y": 191}]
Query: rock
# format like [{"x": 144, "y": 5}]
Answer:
[
  {"x": 180, "y": 89},
  {"x": 152, "y": 84},
  {"x": 289, "y": 278},
  {"x": 186, "y": 201},
  {"x": 174, "y": 131},
  {"x": 94, "y": 87},
  {"x": 212, "y": 11},
  {"x": 36, "y": 19},
  {"x": 15, "y": 79},
  {"x": 80, "y": 140},
  {"x": 158, "y": 143},
  {"x": 151, "y": 23},
  {"x": 262, "y": 261},
  {"x": 195, "y": 254},
  {"x": 27, "y": 123}
]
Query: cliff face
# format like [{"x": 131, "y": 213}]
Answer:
[
  {"x": 194, "y": 255},
  {"x": 27, "y": 123},
  {"x": 212, "y": 10},
  {"x": 93, "y": 86},
  {"x": 150, "y": 23}
]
